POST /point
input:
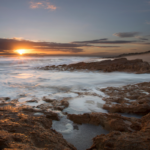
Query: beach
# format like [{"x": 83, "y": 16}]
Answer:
[{"x": 60, "y": 95}]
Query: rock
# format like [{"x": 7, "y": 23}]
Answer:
[
  {"x": 54, "y": 104},
  {"x": 126, "y": 133},
  {"x": 14, "y": 101},
  {"x": 79, "y": 119},
  {"x": 65, "y": 103},
  {"x": 75, "y": 127},
  {"x": 111, "y": 122},
  {"x": 47, "y": 99},
  {"x": 132, "y": 109},
  {"x": 5, "y": 98},
  {"x": 137, "y": 140},
  {"x": 121, "y": 141},
  {"x": 122, "y": 64},
  {"x": 58, "y": 108},
  {"x": 22, "y": 131},
  {"x": 29, "y": 109},
  {"x": 52, "y": 115},
  {"x": 133, "y": 99},
  {"x": 31, "y": 101},
  {"x": 45, "y": 106}
]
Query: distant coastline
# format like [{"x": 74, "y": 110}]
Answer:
[{"x": 129, "y": 54}]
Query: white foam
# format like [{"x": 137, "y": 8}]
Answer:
[
  {"x": 17, "y": 76},
  {"x": 85, "y": 104},
  {"x": 68, "y": 128},
  {"x": 97, "y": 91},
  {"x": 144, "y": 92},
  {"x": 60, "y": 96}
]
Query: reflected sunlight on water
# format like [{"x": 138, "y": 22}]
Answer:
[{"x": 24, "y": 76}]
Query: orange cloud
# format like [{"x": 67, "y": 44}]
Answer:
[
  {"x": 18, "y": 38},
  {"x": 42, "y": 4},
  {"x": 35, "y": 5},
  {"x": 52, "y": 7}
]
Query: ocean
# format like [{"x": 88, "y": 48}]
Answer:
[{"x": 21, "y": 79}]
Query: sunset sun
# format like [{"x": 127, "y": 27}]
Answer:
[{"x": 21, "y": 51}]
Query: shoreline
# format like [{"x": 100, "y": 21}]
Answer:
[
  {"x": 121, "y": 65},
  {"x": 21, "y": 118},
  {"x": 118, "y": 112}
]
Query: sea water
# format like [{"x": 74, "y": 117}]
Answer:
[{"x": 20, "y": 79}]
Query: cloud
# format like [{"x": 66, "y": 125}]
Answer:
[
  {"x": 141, "y": 38},
  {"x": 148, "y": 22},
  {"x": 52, "y": 7},
  {"x": 102, "y": 46},
  {"x": 130, "y": 34},
  {"x": 126, "y": 34},
  {"x": 108, "y": 46},
  {"x": 9, "y": 45},
  {"x": 42, "y": 4},
  {"x": 147, "y": 43},
  {"x": 35, "y": 5},
  {"x": 18, "y": 38},
  {"x": 71, "y": 50},
  {"x": 103, "y": 41}
]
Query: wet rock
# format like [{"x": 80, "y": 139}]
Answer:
[
  {"x": 31, "y": 101},
  {"x": 75, "y": 127},
  {"x": 5, "y": 98},
  {"x": 79, "y": 119},
  {"x": 137, "y": 140},
  {"x": 111, "y": 122},
  {"x": 126, "y": 133},
  {"x": 58, "y": 108},
  {"x": 132, "y": 109},
  {"x": 121, "y": 141},
  {"x": 53, "y": 104},
  {"x": 22, "y": 131},
  {"x": 47, "y": 99},
  {"x": 1, "y": 99},
  {"x": 23, "y": 95},
  {"x": 122, "y": 64},
  {"x": 45, "y": 106},
  {"x": 14, "y": 101},
  {"x": 134, "y": 99},
  {"x": 29, "y": 109},
  {"x": 52, "y": 115},
  {"x": 65, "y": 103}
]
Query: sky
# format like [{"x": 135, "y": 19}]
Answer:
[{"x": 74, "y": 27}]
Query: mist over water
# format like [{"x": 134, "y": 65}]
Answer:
[
  {"x": 20, "y": 79},
  {"x": 18, "y": 76}
]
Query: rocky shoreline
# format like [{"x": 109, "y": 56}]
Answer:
[
  {"x": 21, "y": 129},
  {"x": 30, "y": 127},
  {"x": 132, "y": 99},
  {"x": 125, "y": 133},
  {"x": 121, "y": 65}
]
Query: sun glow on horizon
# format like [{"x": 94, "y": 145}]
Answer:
[{"x": 21, "y": 51}]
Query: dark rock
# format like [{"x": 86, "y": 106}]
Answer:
[
  {"x": 122, "y": 64},
  {"x": 22, "y": 131},
  {"x": 47, "y": 99},
  {"x": 52, "y": 115}
]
